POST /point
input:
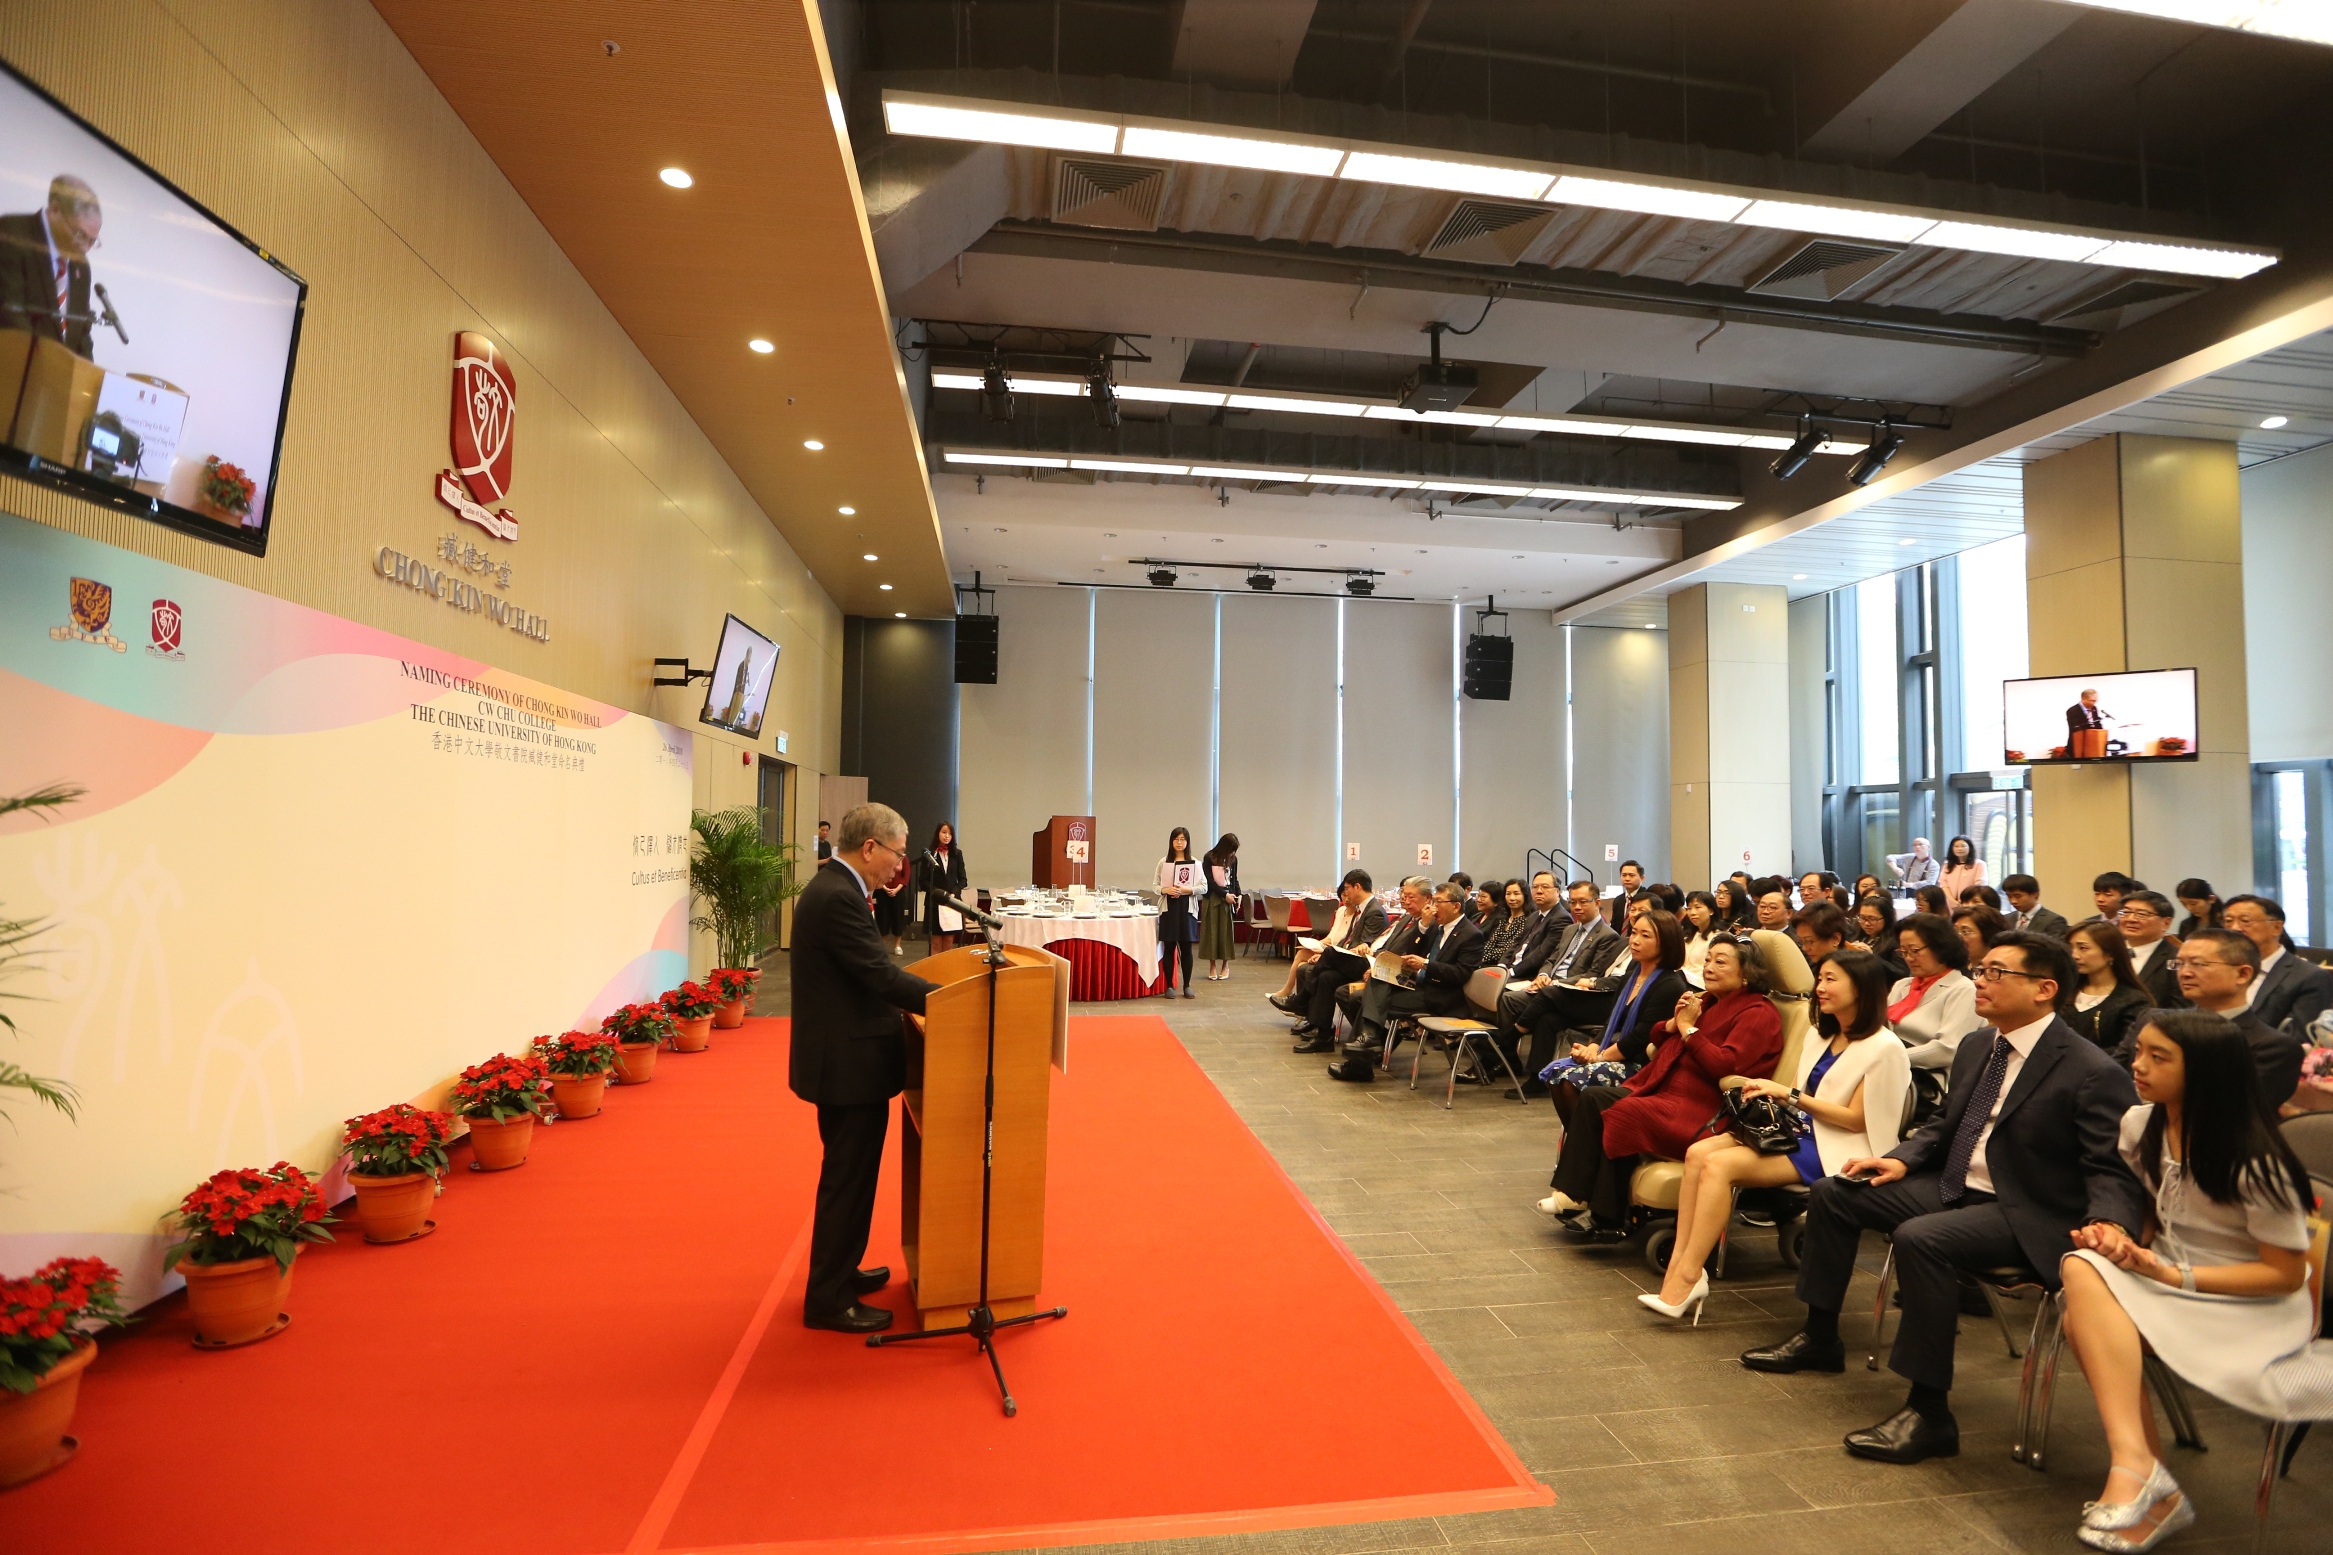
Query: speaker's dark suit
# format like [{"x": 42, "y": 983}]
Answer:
[
  {"x": 848, "y": 1058},
  {"x": 28, "y": 286},
  {"x": 2055, "y": 1162}
]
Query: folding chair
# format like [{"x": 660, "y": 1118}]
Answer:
[{"x": 1460, "y": 1033}]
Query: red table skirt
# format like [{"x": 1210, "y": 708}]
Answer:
[{"x": 1100, "y": 972}]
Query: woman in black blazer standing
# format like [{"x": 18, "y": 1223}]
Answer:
[{"x": 940, "y": 873}]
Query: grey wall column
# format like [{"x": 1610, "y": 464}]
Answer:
[{"x": 899, "y": 717}]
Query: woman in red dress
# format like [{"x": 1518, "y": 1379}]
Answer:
[{"x": 1730, "y": 1028}]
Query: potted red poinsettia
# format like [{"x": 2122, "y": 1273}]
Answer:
[
  {"x": 500, "y": 1099},
  {"x": 733, "y": 986},
  {"x": 691, "y": 1006},
  {"x": 239, "y": 1232},
  {"x": 637, "y": 1029},
  {"x": 42, "y": 1358},
  {"x": 579, "y": 1062},
  {"x": 396, "y": 1157}
]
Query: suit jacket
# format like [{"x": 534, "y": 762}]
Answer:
[
  {"x": 1616, "y": 910},
  {"x": 2112, "y": 1025},
  {"x": 848, "y": 992},
  {"x": 2055, "y": 1154},
  {"x": 2044, "y": 921},
  {"x": 1597, "y": 950},
  {"x": 1455, "y": 956},
  {"x": 1363, "y": 926},
  {"x": 1538, "y": 947},
  {"x": 2276, "y": 1056},
  {"x": 1658, "y": 1004},
  {"x": 2294, "y": 990},
  {"x": 28, "y": 287},
  {"x": 2078, "y": 718},
  {"x": 1673, "y": 1099},
  {"x": 2161, "y": 983},
  {"x": 935, "y": 882}
]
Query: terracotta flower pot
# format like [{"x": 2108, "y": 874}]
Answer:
[
  {"x": 731, "y": 1015},
  {"x": 236, "y": 1303},
  {"x": 692, "y": 1036},
  {"x": 497, "y": 1147},
  {"x": 635, "y": 1062},
  {"x": 393, "y": 1209},
  {"x": 32, "y": 1425},
  {"x": 578, "y": 1098}
]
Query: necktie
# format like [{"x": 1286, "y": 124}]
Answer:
[
  {"x": 1972, "y": 1123},
  {"x": 870, "y": 904},
  {"x": 1563, "y": 963}
]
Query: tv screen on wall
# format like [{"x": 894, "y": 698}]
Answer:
[
  {"x": 742, "y": 674},
  {"x": 145, "y": 346},
  {"x": 2139, "y": 715}
]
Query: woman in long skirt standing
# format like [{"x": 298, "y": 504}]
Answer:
[
  {"x": 1180, "y": 880},
  {"x": 1216, "y": 942}
]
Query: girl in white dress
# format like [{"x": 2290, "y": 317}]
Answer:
[{"x": 2218, "y": 1287}]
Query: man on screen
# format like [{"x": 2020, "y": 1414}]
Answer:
[
  {"x": 2085, "y": 714},
  {"x": 44, "y": 265}
]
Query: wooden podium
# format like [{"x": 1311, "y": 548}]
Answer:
[
  {"x": 940, "y": 1138},
  {"x": 1062, "y": 852}
]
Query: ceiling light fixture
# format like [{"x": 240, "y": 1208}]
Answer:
[
  {"x": 1033, "y": 461},
  {"x": 996, "y": 391},
  {"x": 898, "y": 615},
  {"x": 1909, "y": 540},
  {"x": 1097, "y": 387},
  {"x": 676, "y": 178},
  {"x": 1360, "y": 584},
  {"x": 2273, "y": 422},
  {"x": 2279, "y": 18},
  {"x": 1361, "y": 478},
  {"x": 1154, "y": 394},
  {"x": 1798, "y": 577},
  {"x": 1509, "y": 183},
  {"x": 1613, "y": 194},
  {"x": 1837, "y": 221},
  {"x": 759, "y": 347},
  {"x": 1885, "y": 445},
  {"x": 1793, "y": 459},
  {"x": 2181, "y": 259},
  {"x": 848, "y": 512},
  {"x": 1162, "y": 577},
  {"x": 885, "y": 587},
  {"x": 1130, "y": 466},
  {"x": 814, "y": 445},
  {"x": 1265, "y": 156},
  {"x": 870, "y": 557},
  {"x": 1979, "y": 237},
  {"x": 911, "y": 114},
  {"x": 1261, "y": 580}
]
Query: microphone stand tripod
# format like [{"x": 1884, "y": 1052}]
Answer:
[{"x": 981, "y": 1323}]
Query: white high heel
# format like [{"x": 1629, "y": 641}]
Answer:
[
  {"x": 2111, "y": 1517},
  {"x": 2120, "y": 1542},
  {"x": 1692, "y": 1303},
  {"x": 1560, "y": 1204}
]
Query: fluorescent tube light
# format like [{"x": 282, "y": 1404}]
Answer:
[
  {"x": 2310, "y": 21},
  {"x": 1006, "y": 126},
  {"x": 1358, "y": 478},
  {"x": 1270, "y": 156},
  {"x": 1302, "y": 407},
  {"x": 1130, "y": 466},
  {"x": 1717, "y": 437},
  {"x": 2017, "y": 242},
  {"x": 1037, "y": 461},
  {"x": 1215, "y": 472},
  {"x": 1151, "y": 394},
  {"x": 1836, "y": 221},
  {"x": 1649, "y": 199},
  {"x": 1511, "y": 183},
  {"x": 1059, "y": 387},
  {"x": 1706, "y": 504},
  {"x": 1571, "y": 426},
  {"x": 2180, "y": 259},
  {"x": 1476, "y": 488},
  {"x": 1446, "y": 418}
]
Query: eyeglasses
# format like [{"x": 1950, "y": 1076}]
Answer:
[
  {"x": 886, "y": 847},
  {"x": 1992, "y": 974},
  {"x": 2198, "y": 962},
  {"x": 2131, "y": 910}
]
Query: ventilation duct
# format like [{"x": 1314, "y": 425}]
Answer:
[
  {"x": 1823, "y": 270},
  {"x": 1123, "y": 196},
  {"x": 2122, "y": 306},
  {"x": 1484, "y": 232}
]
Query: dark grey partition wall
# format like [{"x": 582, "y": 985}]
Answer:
[
  {"x": 1511, "y": 756},
  {"x": 899, "y": 717},
  {"x": 1620, "y": 748}
]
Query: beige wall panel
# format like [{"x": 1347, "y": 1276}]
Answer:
[
  {"x": 1749, "y": 623},
  {"x": 1621, "y": 759},
  {"x": 2082, "y": 828},
  {"x": 2073, "y": 620},
  {"x": 1748, "y": 722},
  {"x": 2288, "y": 632},
  {"x": 1278, "y": 751},
  {"x": 1689, "y": 857},
  {"x": 1689, "y": 754},
  {"x": 2164, "y": 597},
  {"x": 1400, "y": 730},
  {"x": 1022, "y": 743},
  {"x": 2181, "y": 500},
  {"x": 1751, "y": 819},
  {"x": 2194, "y": 818},
  {"x": 1689, "y": 625},
  {"x": 1154, "y": 759},
  {"x": 2073, "y": 514}
]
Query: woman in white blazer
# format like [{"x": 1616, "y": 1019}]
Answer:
[
  {"x": 1849, "y": 1092},
  {"x": 1936, "y": 1006}
]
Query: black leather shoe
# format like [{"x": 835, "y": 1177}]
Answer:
[
  {"x": 872, "y": 1280},
  {"x": 1907, "y": 1436},
  {"x": 853, "y": 1319},
  {"x": 1797, "y": 1353},
  {"x": 1316, "y": 1044},
  {"x": 1282, "y": 1003},
  {"x": 1359, "y": 1070},
  {"x": 1587, "y": 1228}
]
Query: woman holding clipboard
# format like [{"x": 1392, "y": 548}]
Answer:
[
  {"x": 1179, "y": 884},
  {"x": 941, "y": 873}
]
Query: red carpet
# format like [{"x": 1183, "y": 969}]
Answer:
[{"x": 602, "y": 1353}]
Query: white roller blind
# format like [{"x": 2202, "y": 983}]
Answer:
[
  {"x": 1399, "y": 734},
  {"x": 1023, "y": 757},
  {"x": 1620, "y": 763},
  {"x": 1279, "y": 739},
  {"x": 1511, "y": 771},
  {"x": 1154, "y": 667}
]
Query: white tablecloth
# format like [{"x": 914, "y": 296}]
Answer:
[{"x": 1137, "y": 936}]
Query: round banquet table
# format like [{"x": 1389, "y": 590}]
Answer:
[{"x": 1109, "y": 958}]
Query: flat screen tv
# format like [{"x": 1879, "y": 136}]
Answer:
[
  {"x": 145, "y": 346},
  {"x": 2139, "y": 715},
  {"x": 742, "y": 673}
]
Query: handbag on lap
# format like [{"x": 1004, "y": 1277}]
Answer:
[{"x": 1764, "y": 1124}]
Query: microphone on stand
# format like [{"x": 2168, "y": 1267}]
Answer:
[
  {"x": 110, "y": 319},
  {"x": 984, "y": 919}
]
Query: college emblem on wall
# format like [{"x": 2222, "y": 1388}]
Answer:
[
  {"x": 91, "y": 603},
  {"x": 484, "y": 431},
  {"x": 169, "y": 625}
]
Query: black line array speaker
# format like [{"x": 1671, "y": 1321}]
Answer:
[
  {"x": 1490, "y": 667},
  {"x": 976, "y": 651}
]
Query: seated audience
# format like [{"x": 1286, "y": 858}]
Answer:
[
  {"x": 1310, "y": 990},
  {"x": 1773, "y": 901},
  {"x": 1981, "y": 1186},
  {"x": 2289, "y": 988},
  {"x": 2145, "y": 921},
  {"x": 1400, "y": 936},
  {"x": 1935, "y": 1005},
  {"x": 1875, "y": 915},
  {"x": 2024, "y": 894},
  {"x": 1849, "y": 1092},
  {"x": 1962, "y": 868},
  {"x": 1815, "y": 886},
  {"x": 1486, "y": 905},
  {"x": 1977, "y": 896},
  {"x": 1977, "y": 927},
  {"x": 2108, "y": 890},
  {"x": 1916, "y": 868},
  {"x": 1509, "y": 925},
  {"x": 1667, "y": 897},
  {"x": 2202, "y": 904},
  {"x": 1670, "y": 1102},
  {"x": 1701, "y": 926},
  {"x": 1647, "y": 996},
  {"x": 1632, "y": 890},
  {"x": 1434, "y": 971},
  {"x": 1932, "y": 900},
  {"x": 1821, "y": 931},
  {"x": 1733, "y": 909},
  {"x": 1870, "y": 885},
  {"x": 2218, "y": 969},
  {"x": 2109, "y": 999},
  {"x": 1572, "y": 987},
  {"x": 2217, "y": 1286}
]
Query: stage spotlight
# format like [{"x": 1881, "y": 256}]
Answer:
[
  {"x": 1360, "y": 584},
  {"x": 1793, "y": 459},
  {"x": 1261, "y": 580},
  {"x": 1884, "y": 445},
  {"x": 1105, "y": 398},
  {"x": 1162, "y": 577},
  {"x": 996, "y": 391}
]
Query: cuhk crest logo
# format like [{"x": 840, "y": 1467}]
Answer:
[
  {"x": 483, "y": 435},
  {"x": 91, "y": 605},
  {"x": 169, "y": 624}
]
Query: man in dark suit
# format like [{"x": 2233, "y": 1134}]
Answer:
[
  {"x": 825, "y": 841},
  {"x": 2025, "y": 1151},
  {"x": 1632, "y": 890},
  {"x": 2026, "y": 911},
  {"x": 44, "y": 265},
  {"x": 1435, "y": 969},
  {"x": 849, "y": 1055},
  {"x": 2145, "y": 921},
  {"x": 1401, "y": 934},
  {"x": 1340, "y": 961},
  {"x": 2217, "y": 968},
  {"x": 2085, "y": 714},
  {"x": 1571, "y": 987},
  {"x": 2290, "y": 989}
]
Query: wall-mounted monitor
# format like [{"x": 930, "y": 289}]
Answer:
[
  {"x": 742, "y": 674},
  {"x": 2139, "y": 715},
  {"x": 145, "y": 346}
]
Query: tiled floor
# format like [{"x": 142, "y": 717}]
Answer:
[{"x": 1655, "y": 1440}]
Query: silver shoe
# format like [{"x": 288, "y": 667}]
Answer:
[
  {"x": 2119, "y": 1543},
  {"x": 2108, "y": 1516}
]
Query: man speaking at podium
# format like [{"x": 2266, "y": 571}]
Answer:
[
  {"x": 849, "y": 1058},
  {"x": 44, "y": 265}
]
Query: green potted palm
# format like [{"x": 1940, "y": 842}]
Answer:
[
  {"x": 742, "y": 878},
  {"x": 15, "y": 937}
]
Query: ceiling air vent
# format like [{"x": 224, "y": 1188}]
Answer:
[
  {"x": 2122, "y": 306},
  {"x": 1120, "y": 195},
  {"x": 1484, "y": 232},
  {"x": 1823, "y": 269}
]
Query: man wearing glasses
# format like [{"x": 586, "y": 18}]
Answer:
[
  {"x": 849, "y": 1056},
  {"x": 2216, "y": 970},
  {"x": 2024, "y": 1152},
  {"x": 2145, "y": 920}
]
